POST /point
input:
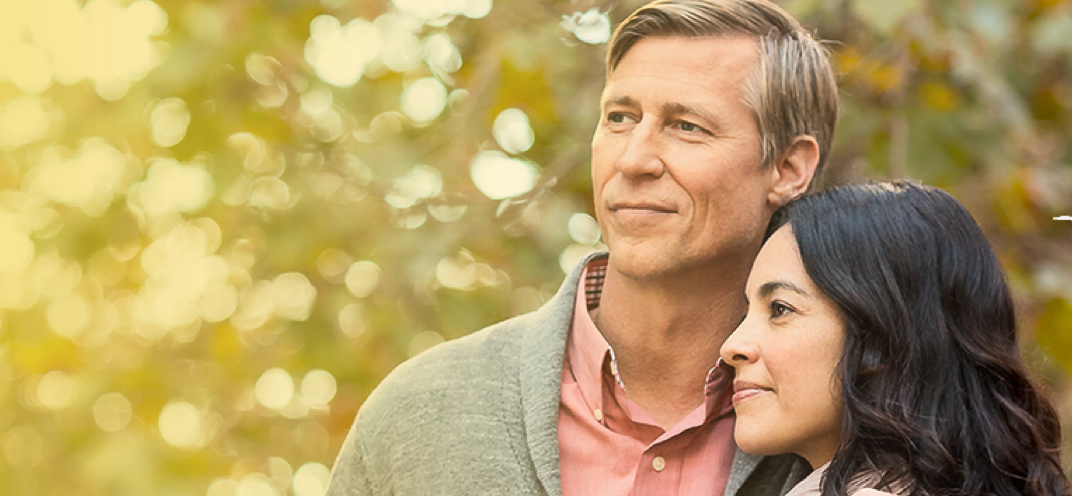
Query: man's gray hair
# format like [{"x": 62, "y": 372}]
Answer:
[{"x": 792, "y": 92}]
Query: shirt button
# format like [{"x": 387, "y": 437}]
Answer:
[
  {"x": 659, "y": 464},
  {"x": 597, "y": 414}
]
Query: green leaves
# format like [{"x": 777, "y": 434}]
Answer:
[{"x": 885, "y": 16}]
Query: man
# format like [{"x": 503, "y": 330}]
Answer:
[{"x": 714, "y": 113}]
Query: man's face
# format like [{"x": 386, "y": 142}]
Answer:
[{"x": 677, "y": 175}]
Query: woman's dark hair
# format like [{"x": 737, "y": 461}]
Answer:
[{"x": 936, "y": 395}]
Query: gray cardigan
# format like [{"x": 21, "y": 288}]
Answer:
[{"x": 477, "y": 416}]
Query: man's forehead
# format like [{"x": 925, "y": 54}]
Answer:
[
  {"x": 701, "y": 66},
  {"x": 700, "y": 52}
]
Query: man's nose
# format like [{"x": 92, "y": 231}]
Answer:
[{"x": 643, "y": 153}]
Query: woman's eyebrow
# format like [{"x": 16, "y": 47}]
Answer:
[{"x": 770, "y": 287}]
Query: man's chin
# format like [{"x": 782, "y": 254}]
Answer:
[{"x": 643, "y": 261}]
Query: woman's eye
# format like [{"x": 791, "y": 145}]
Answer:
[{"x": 779, "y": 309}]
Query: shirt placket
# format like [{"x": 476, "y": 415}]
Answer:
[{"x": 659, "y": 469}]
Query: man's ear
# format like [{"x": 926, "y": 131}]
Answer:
[{"x": 794, "y": 169}]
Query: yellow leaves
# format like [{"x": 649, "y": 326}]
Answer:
[
  {"x": 44, "y": 355},
  {"x": 1054, "y": 331},
  {"x": 167, "y": 248},
  {"x": 939, "y": 96},
  {"x": 848, "y": 60},
  {"x": 225, "y": 344},
  {"x": 1009, "y": 207},
  {"x": 877, "y": 75},
  {"x": 885, "y": 78},
  {"x": 1044, "y": 4}
]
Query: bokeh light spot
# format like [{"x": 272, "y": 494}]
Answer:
[
  {"x": 424, "y": 99},
  {"x": 222, "y": 487},
  {"x": 270, "y": 193},
  {"x": 279, "y": 473},
  {"x": 591, "y": 27},
  {"x": 88, "y": 179},
  {"x": 447, "y": 212},
  {"x": 311, "y": 479},
  {"x": 275, "y": 388},
  {"x": 316, "y": 101},
  {"x": 401, "y": 50},
  {"x": 23, "y": 120},
  {"x": 498, "y": 176},
  {"x": 294, "y": 296},
  {"x": 255, "y": 485},
  {"x": 70, "y": 315},
  {"x": 420, "y": 183},
  {"x": 255, "y": 306},
  {"x": 262, "y": 68},
  {"x": 570, "y": 256},
  {"x": 476, "y": 9},
  {"x": 23, "y": 447},
  {"x": 339, "y": 54},
  {"x": 102, "y": 41},
  {"x": 583, "y": 229},
  {"x": 512, "y": 131},
  {"x": 318, "y": 388},
  {"x": 28, "y": 67},
  {"x": 168, "y": 122},
  {"x": 456, "y": 272},
  {"x": 441, "y": 54},
  {"x": 112, "y": 412},
  {"x": 423, "y": 341},
  {"x": 219, "y": 304},
  {"x": 352, "y": 320},
  {"x": 17, "y": 250},
  {"x": 56, "y": 390},
  {"x": 429, "y": 10},
  {"x": 333, "y": 263},
  {"x": 181, "y": 425},
  {"x": 170, "y": 186},
  {"x": 362, "y": 278}
]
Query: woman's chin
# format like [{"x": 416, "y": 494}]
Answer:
[{"x": 753, "y": 441}]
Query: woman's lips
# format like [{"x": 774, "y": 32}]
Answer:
[
  {"x": 746, "y": 394},
  {"x": 746, "y": 390}
]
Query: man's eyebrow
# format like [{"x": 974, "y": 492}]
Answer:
[
  {"x": 678, "y": 108},
  {"x": 770, "y": 287},
  {"x": 621, "y": 101}
]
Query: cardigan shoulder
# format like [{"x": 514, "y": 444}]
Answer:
[{"x": 448, "y": 374}]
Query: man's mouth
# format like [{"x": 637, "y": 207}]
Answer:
[{"x": 642, "y": 207}]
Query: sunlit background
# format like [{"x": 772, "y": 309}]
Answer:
[{"x": 222, "y": 223}]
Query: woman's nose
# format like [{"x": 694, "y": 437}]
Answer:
[{"x": 740, "y": 347}]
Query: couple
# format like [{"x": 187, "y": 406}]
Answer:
[{"x": 874, "y": 348}]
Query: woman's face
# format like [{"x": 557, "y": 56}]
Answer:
[{"x": 787, "y": 396}]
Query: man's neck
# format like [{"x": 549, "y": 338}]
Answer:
[{"x": 667, "y": 336}]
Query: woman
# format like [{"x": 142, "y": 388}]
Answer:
[{"x": 880, "y": 346}]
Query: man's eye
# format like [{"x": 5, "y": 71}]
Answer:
[
  {"x": 688, "y": 127},
  {"x": 617, "y": 118}
]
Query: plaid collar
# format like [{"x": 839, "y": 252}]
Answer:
[{"x": 594, "y": 282}]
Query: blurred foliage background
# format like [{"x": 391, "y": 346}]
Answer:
[{"x": 222, "y": 223}]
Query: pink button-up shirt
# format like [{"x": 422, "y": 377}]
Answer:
[{"x": 609, "y": 446}]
